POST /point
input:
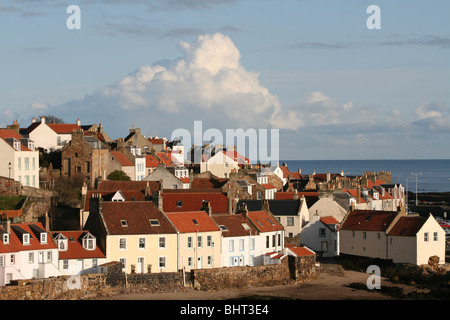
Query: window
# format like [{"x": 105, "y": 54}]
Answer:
[
  {"x": 189, "y": 242},
  {"x": 179, "y": 203},
  {"x": 2, "y": 261},
  {"x": 435, "y": 236},
  {"x": 154, "y": 222},
  {"x": 33, "y": 163},
  {"x": 252, "y": 244},
  {"x": 65, "y": 264},
  {"x": 364, "y": 235},
  {"x": 210, "y": 260},
  {"x": 19, "y": 163},
  {"x": 95, "y": 263},
  {"x": 231, "y": 245},
  {"x": 27, "y": 163},
  {"x": 378, "y": 236},
  {"x": 189, "y": 262},
  {"x": 89, "y": 243},
  {"x": 353, "y": 233},
  {"x": 141, "y": 243},
  {"x": 322, "y": 232},
  {"x": 199, "y": 241},
  {"x": 49, "y": 256},
  {"x": 162, "y": 262},
  {"x": 425, "y": 237},
  {"x": 290, "y": 221},
  {"x": 13, "y": 259},
  {"x": 5, "y": 238},
  {"x": 123, "y": 262},
  {"x": 209, "y": 241},
  {"x": 279, "y": 239},
  {"x": 62, "y": 245},
  {"x": 267, "y": 242},
  {"x": 273, "y": 241},
  {"x": 26, "y": 239},
  {"x": 122, "y": 244},
  {"x": 43, "y": 237},
  {"x": 31, "y": 257},
  {"x": 241, "y": 244},
  {"x": 162, "y": 242},
  {"x": 124, "y": 223}
]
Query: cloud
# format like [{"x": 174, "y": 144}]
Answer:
[
  {"x": 207, "y": 82},
  {"x": 433, "y": 117},
  {"x": 38, "y": 106}
]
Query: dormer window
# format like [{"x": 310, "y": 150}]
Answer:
[
  {"x": 26, "y": 238},
  {"x": 62, "y": 244},
  {"x": 5, "y": 238},
  {"x": 124, "y": 223},
  {"x": 43, "y": 238},
  {"x": 89, "y": 242}
]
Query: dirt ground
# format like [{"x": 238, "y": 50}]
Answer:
[{"x": 331, "y": 285}]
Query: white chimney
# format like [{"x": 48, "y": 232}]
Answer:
[{"x": 43, "y": 120}]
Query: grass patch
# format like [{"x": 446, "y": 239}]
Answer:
[{"x": 11, "y": 203}]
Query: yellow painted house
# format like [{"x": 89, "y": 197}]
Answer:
[
  {"x": 134, "y": 233},
  {"x": 199, "y": 245}
]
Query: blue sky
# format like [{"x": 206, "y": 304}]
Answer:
[{"x": 312, "y": 69}]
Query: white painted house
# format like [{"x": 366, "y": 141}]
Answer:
[
  {"x": 26, "y": 252},
  {"x": 50, "y": 136},
  {"x": 19, "y": 159},
  {"x": 321, "y": 234},
  {"x": 78, "y": 252},
  {"x": 239, "y": 238}
]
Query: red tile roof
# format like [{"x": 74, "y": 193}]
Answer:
[
  {"x": 165, "y": 158},
  {"x": 8, "y": 133},
  {"x": 290, "y": 195},
  {"x": 329, "y": 220},
  {"x": 194, "y": 221},
  {"x": 268, "y": 186},
  {"x": 151, "y": 161},
  {"x": 75, "y": 249},
  {"x": 407, "y": 226},
  {"x": 202, "y": 183},
  {"x": 236, "y": 156},
  {"x": 285, "y": 171},
  {"x": 15, "y": 239},
  {"x": 368, "y": 220},
  {"x": 63, "y": 128},
  {"x": 137, "y": 215},
  {"x": 234, "y": 225},
  {"x": 123, "y": 160},
  {"x": 114, "y": 185},
  {"x": 300, "y": 251},
  {"x": 264, "y": 222},
  {"x": 192, "y": 200}
]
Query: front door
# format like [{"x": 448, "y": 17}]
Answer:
[
  {"x": 199, "y": 262},
  {"x": 140, "y": 265}
]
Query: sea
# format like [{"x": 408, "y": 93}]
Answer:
[{"x": 432, "y": 175}]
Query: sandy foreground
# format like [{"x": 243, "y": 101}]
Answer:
[{"x": 329, "y": 286}]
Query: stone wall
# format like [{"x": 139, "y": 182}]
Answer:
[
  {"x": 113, "y": 282},
  {"x": 303, "y": 268},
  {"x": 241, "y": 277}
]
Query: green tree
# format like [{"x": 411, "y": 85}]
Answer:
[{"x": 118, "y": 175}]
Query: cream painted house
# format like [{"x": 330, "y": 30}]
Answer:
[
  {"x": 392, "y": 235},
  {"x": 199, "y": 240},
  {"x": 221, "y": 165},
  {"x": 327, "y": 206},
  {"x": 134, "y": 233},
  {"x": 414, "y": 239},
  {"x": 321, "y": 234}
]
